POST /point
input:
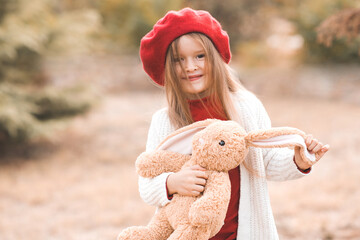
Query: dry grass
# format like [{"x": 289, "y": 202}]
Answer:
[
  {"x": 323, "y": 205},
  {"x": 83, "y": 185}
]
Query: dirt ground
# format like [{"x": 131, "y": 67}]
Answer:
[{"x": 81, "y": 183}]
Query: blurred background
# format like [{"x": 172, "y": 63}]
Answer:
[{"x": 75, "y": 107}]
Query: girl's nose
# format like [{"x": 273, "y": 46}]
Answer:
[{"x": 191, "y": 66}]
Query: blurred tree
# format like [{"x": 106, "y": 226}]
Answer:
[
  {"x": 344, "y": 24},
  {"x": 29, "y": 30},
  {"x": 244, "y": 20},
  {"x": 125, "y": 22},
  {"x": 307, "y": 15}
]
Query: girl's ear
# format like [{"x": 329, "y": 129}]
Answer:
[
  {"x": 180, "y": 141},
  {"x": 279, "y": 138}
]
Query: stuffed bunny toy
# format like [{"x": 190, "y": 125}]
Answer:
[{"x": 218, "y": 146}]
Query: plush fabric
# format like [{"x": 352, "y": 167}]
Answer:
[
  {"x": 202, "y": 109},
  {"x": 154, "y": 45},
  {"x": 218, "y": 146},
  {"x": 255, "y": 215},
  {"x": 189, "y": 217}
]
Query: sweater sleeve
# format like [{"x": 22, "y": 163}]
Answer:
[
  {"x": 279, "y": 162},
  {"x": 153, "y": 190}
]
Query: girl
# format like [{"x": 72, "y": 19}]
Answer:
[{"x": 188, "y": 53}]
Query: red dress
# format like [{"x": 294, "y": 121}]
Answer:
[{"x": 201, "y": 110}]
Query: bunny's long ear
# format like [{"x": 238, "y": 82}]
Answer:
[
  {"x": 281, "y": 137},
  {"x": 180, "y": 141}
]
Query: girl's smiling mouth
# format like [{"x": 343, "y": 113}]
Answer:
[{"x": 194, "y": 77}]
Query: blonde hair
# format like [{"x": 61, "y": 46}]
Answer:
[{"x": 221, "y": 83}]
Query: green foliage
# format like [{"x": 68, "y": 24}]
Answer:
[
  {"x": 30, "y": 30},
  {"x": 54, "y": 104},
  {"x": 16, "y": 121},
  {"x": 26, "y": 113},
  {"x": 307, "y": 15}
]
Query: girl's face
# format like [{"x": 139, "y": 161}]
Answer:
[{"x": 191, "y": 55}]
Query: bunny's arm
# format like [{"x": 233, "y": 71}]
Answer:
[
  {"x": 212, "y": 206},
  {"x": 152, "y": 164}
]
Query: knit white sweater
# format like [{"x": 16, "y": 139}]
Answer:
[{"x": 255, "y": 215}]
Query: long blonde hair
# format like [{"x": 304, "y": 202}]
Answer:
[{"x": 221, "y": 83}]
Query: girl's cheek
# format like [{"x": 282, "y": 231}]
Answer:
[{"x": 178, "y": 70}]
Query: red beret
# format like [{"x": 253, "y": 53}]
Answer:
[{"x": 154, "y": 45}]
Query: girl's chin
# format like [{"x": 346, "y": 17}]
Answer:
[
  {"x": 196, "y": 94},
  {"x": 196, "y": 87}
]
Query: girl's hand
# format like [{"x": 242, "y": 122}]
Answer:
[
  {"x": 189, "y": 181},
  {"x": 313, "y": 146}
]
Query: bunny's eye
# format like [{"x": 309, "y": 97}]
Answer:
[{"x": 222, "y": 143}]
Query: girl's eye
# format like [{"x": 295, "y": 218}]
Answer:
[
  {"x": 222, "y": 143},
  {"x": 200, "y": 56}
]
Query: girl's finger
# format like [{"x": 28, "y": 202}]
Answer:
[
  {"x": 197, "y": 167},
  {"x": 201, "y": 174},
  {"x": 200, "y": 181},
  {"x": 325, "y": 148},
  {"x": 322, "y": 151},
  {"x": 198, "y": 188},
  {"x": 308, "y": 139},
  {"x": 317, "y": 148},
  {"x": 194, "y": 193},
  {"x": 312, "y": 145}
]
